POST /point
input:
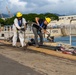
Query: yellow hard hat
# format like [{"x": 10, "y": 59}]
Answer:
[
  {"x": 19, "y": 14},
  {"x": 48, "y": 19}
]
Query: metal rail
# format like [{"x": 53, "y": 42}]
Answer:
[{"x": 71, "y": 31}]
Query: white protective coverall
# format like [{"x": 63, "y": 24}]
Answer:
[{"x": 18, "y": 33}]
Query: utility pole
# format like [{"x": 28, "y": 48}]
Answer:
[
  {"x": 9, "y": 12},
  {"x": 1, "y": 15}
]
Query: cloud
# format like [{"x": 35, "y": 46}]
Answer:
[
  {"x": 13, "y": 6},
  {"x": 39, "y": 6},
  {"x": 16, "y": 5}
]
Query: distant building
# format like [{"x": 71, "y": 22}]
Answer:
[
  {"x": 67, "y": 17},
  {"x": 64, "y": 20},
  {"x": 3, "y": 18}
]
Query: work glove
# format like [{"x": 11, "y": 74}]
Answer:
[
  {"x": 48, "y": 35},
  {"x": 39, "y": 28},
  {"x": 23, "y": 29}
]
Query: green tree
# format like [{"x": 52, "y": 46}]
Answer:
[
  {"x": 9, "y": 21},
  {"x": 30, "y": 17},
  {"x": 52, "y": 16},
  {"x": 1, "y": 21}
]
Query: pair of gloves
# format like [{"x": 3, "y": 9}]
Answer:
[{"x": 23, "y": 29}]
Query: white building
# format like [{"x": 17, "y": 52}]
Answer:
[
  {"x": 67, "y": 17},
  {"x": 64, "y": 20}
]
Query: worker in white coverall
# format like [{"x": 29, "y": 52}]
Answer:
[{"x": 19, "y": 27}]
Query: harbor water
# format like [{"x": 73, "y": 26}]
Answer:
[{"x": 66, "y": 39}]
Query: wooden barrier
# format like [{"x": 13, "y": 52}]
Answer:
[{"x": 51, "y": 52}]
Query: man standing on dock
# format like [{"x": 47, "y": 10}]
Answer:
[
  {"x": 38, "y": 27},
  {"x": 19, "y": 27}
]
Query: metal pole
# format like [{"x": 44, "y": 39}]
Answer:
[
  {"x": 71, "y": 31},
  {"x": 70, "y": 34}
]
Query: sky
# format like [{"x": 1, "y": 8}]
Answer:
[{"x": 62, "y": 7}]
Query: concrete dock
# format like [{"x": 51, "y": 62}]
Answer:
[
  {"x": 38, "y": 62},
  {"x": 11, "y": 67}
]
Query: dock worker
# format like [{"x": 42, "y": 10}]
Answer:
[
  {"x": 38, "y": 27},
  {"x": 19, "y": 27}
]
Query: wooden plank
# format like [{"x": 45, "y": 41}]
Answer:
[
  {"x": 51, "y": 52},
  {"x": 5, "y": 42}
]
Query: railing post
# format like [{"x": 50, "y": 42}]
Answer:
[{"x": 70, "y": 33}]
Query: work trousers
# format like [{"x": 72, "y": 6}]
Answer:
[
  {"x": 36, "y": 33},
  {"x": 19, "y": 34}
]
